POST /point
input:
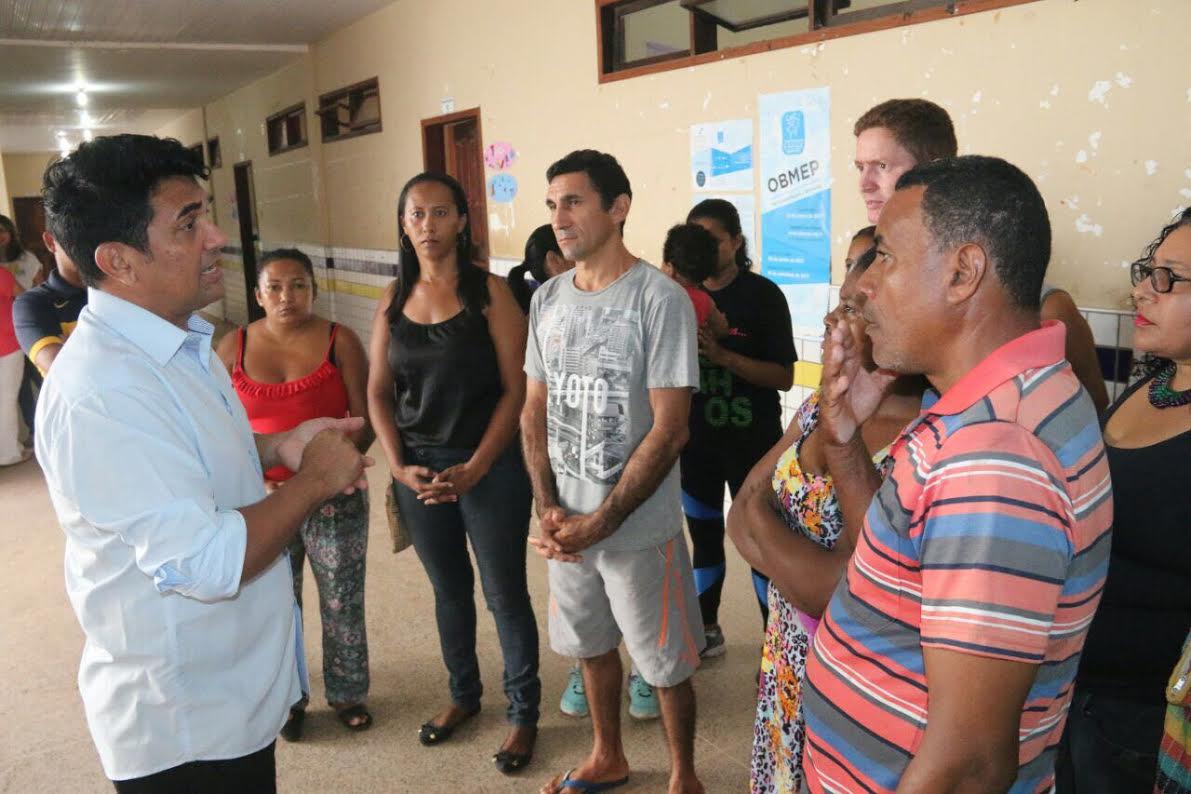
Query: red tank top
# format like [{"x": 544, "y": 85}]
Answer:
[{"x": 277, "y": 407}]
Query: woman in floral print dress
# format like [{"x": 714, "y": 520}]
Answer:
[
  {"x": 787, "y": 523},
  {"x": 287, "y": 367}
]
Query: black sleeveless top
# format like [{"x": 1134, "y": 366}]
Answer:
[
  {"x": 446, "y": 380},
  {"x": 1137, "y": 634}
]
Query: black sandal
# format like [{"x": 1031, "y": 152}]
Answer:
[
  {"x": 431, "y": 734},
  {"x": 292, "y": 730},
  {"x": 510, "y": 763},
  {"x": 347, "y": 714}
]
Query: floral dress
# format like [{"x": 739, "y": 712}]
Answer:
[{"x": 809, "y": 506}]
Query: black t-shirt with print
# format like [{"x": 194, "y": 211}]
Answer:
[{"x": 728, "y": 408}]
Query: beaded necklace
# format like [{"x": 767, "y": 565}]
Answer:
[{"x": 1162, "y": 396}]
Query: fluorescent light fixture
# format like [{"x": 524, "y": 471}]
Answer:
[
  {"x": 88, "y": 135},
  {"x": 82, "y": 99},
  {"x": 85, "y": 118}
]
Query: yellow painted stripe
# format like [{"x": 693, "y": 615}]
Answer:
[
  {"x": 808, "y": 374},
  {"x": 345, "y": 287},
  {"x": 342, "y": 286}
]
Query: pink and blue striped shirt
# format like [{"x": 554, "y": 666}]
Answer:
[{"x": 989, "y": 537}]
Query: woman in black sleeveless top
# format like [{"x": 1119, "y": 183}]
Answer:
[
  {"x": 445, "y": 390},
  {"x": 1115, "y": 724}
]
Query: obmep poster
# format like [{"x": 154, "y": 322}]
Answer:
[{"x": 795, "y": 178}]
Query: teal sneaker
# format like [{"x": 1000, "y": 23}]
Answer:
[
  {"x": 574, "y": 696},
  {"x": 643, "y": 701}
]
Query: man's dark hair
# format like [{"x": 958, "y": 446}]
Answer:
[
  {"x": 101, "y": 192},
  {"x": 991, "y": 202},
  {"x": 919, "y": 126},
  {"x": 605, "y": 173},
  {"x": 692, "y": 251}
]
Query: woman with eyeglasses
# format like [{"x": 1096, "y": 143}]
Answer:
[{"x": 1116, "y": 720}]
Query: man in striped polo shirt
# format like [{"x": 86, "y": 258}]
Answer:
[{"x": 946, "y": 657}]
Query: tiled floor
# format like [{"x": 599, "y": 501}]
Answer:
[{"x": 45, "y": 747}]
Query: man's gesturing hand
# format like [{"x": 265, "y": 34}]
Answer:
[{"x": 319, "y": 448}]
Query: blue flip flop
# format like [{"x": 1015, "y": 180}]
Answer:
[{"x": 588, "y": 787}]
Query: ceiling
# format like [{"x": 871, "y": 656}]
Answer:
[{"x": 142, "y": 62}]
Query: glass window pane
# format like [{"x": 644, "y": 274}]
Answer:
[
  {"x": 742, "y": 13},
  {"x": 726, "y": 38},
  {"x": 664, "y": 29},
  {"x": 872, "y": 9}
]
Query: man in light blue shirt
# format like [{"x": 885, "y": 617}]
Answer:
[{"x": 174, "y": 560}]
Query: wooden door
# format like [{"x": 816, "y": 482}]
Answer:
[
  {"x": 453, "y": 144},
  {"x": 29, "y": 217},
  {"x": 249, "y": 239}
]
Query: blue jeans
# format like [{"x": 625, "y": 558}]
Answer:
[{"x": 494, "y": 515}]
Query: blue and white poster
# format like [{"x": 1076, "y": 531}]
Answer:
[
  {"x": 795, "y": 184},
  {"x": 722, "y": 156}
]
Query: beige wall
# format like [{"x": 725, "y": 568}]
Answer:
[
  {"x": 5, "y": 203},
  {"x": 23, "y": 172},
  {"x": 290, "y": 204},
  {"x": 1078, "y": 94},
  {"x": 187, "y": 128}
]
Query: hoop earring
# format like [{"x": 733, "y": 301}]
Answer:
[{"x": 403, "y": 241}]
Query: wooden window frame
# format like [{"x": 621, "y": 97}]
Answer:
[
  {"x": 823, "y": 28},
  {"x": 297, "y": 110},
  {"x": 330, "y": 101}
]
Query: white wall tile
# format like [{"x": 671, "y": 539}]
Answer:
[
  {"x": 501, "y": 265},
  {"x": 1104, "y": 328},
  {"x": 1125, "y": 331}
]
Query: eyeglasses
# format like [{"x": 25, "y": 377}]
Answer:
[{"x": 1162, "y": 279}]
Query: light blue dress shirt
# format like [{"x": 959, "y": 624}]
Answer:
[{"x": 148, "y": 454}]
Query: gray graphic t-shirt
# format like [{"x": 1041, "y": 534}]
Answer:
[{"x": 599, "y": 354}]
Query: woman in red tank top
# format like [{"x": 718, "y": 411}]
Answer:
[{"x": 288, "y": 367}]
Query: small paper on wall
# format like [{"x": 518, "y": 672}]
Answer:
[
  {"x": 502, "y": 188},
  {"x": 722, "y": 155},
  {"x": 499, "y": 155}
]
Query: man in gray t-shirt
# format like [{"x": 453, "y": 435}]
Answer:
[
  {"x": 611, "y": 363},
  {"x": 599, "y": 353}
]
